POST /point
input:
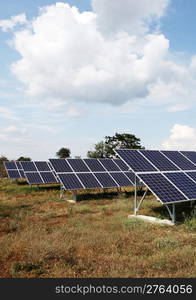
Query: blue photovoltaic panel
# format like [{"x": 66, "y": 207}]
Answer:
[
  {"x": 22, "y": 174},
  {"x": 42, "y": 166},
  {"x": 108, "y": 164},
  {"x": 135, "y": 160},
  {"x": 34, "y": 178},
  {"x": 70, "y": 181},
  {"x": 13, "y": 174},
  {"x": 106, "y": 180},
  {"x": 159, "y": 160},
  {"x": 121, "y": 164},
  {"x": 89, "y": 181},
  {"x": 94, "y": 165},
  {"x": 192, "y": 175},
  {"x": 179, "y": 160},
  {"x": 131, "y": 176},
  {"x": 190, "y": 155},
  {"x": 78, "y": 165},
  {"x": 10, "y": 165},
  {"x": 184, "y": 183},
  {"x": 121, "y": 179},
  {"x": 162, "y": 188},
  {"x": 28, "y": 166},
  {"x": 48, "y": 177},
  {"x": 18, "y": 164},
  {"x": 60, "y": 165}
]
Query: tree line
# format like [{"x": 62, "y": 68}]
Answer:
[{"x": 103, "y": 149}]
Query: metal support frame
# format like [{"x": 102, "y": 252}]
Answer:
[
  {"x": 137, "y": 205},
  {"x": 172, "y": 211},
  {"x": 62, "y": 190}
]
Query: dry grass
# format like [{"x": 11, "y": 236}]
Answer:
[{"x": 42, "y": 236}]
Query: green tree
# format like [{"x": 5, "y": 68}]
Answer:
[
  {"x": 23, "y": 158},
  {"x": 101, "y": 151},
  {"x": 105, "y": 149},
  {"x": 2, "y": 168},
  {"x": 63, "y": 153}
]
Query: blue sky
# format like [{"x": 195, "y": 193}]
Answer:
[{"x": 69, "y": 78}]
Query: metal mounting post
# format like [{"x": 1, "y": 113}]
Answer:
[{"x": 172, "y": 212}]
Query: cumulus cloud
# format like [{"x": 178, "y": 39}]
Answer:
[
  {"x": 8, "y": 24},
  {"x": 133, "y": 17},
  {"x": 69, "y": 57},
  {"x": 181, "y": 137}
]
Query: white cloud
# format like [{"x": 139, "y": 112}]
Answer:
[
  {"x": 128, "y": 15},
  {"x": 67, "y": 57},
  {"x": 15, "y": 130},
  {"x": 9, "y": 24},
  {"x": 181, "y": 137},
  {"x": 6, "y": 113}
]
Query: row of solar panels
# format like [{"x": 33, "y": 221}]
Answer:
[
  {"x": 155, "y": 160},
  {"x": 74, "y": 174},
  {"x": 170, "y": 175}
]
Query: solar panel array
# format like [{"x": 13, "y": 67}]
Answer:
[
  {"x": 76, "y": 174},
  {"x": 170, "y": 175},
  {"x": 38, "y": 172},
  {"x": 14, "y": 169}
]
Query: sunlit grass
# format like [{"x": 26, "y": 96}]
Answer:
[{"x": 41, "y": 235}]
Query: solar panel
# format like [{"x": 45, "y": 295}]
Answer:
[
  {"x": 182, "y": 162},
  {"x": 34, "y": 178},
  {"x": 121, "y": 179},
  {"x": 28, "y": 166},
  {"x": 106, "y": 180},
  {"x": 183, "y": 183},
  {"x": 70, "y": 181},
  {"x": 13, "y": 174},
  {"x": 89, "y": 181},
  {"x": 48, "y": 177},
  {"x": 192, "y": 175},
  {"x": 135, "y": 160},
  {"x": 18, "y": 164},
  {"x": 190, "y": 155},
  {"x": 60, "y": 165},
  {"x": 22, "y": 174},
  {"x": 42, "y": 166},
  {"x": 108, "y": 164},
  {"x": 159, "y": 160},
  {"x": 131, "y": 177},
  {"x": 10, "y": 165},
  {"x": 165, "y": 191},
  {"x": 78, "y": 165},
  {"x": 94, "y": 165},
  {"x": 121, "y": 164}
]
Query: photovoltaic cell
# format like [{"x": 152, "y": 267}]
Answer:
[
  {"x": 184, "y": 183},
  {"x": 179, "y": 160},
  {"x": 28, "y": 166},
  {"x": 121, "y": 179},
  {"x": 78, "y": 165},
  {"x": 135, "y": 161},
  {"x": 108, "y": 164},
  {"x": 159, "y": 160},
  {"x": 89, "y": 181},
  {"x": 48, "y": 177},
  {"x": 131, "y": 177},
  {"x": 18, "y": 164},
  {"x": 22, "y": 174},
  {"x": 190, "y": 155},
  {"x": 10, "y": 165},
  {"x": 34, "y": 178},
  {"x": 13, "y": 174},
  {"x": 60, "y": 165},
  {"x": 106, "y": 180},
  {"x": 70, "y": 181},
  {"x": 94, "y": 165},
  {"x": 192, "y": 175},
  {"x": 121, "y": 164},
  {"x": 42, "y": 166},
  {"x": 162, "y": 188}
]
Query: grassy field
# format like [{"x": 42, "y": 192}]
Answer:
[{"x": 43, "y": 236}]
